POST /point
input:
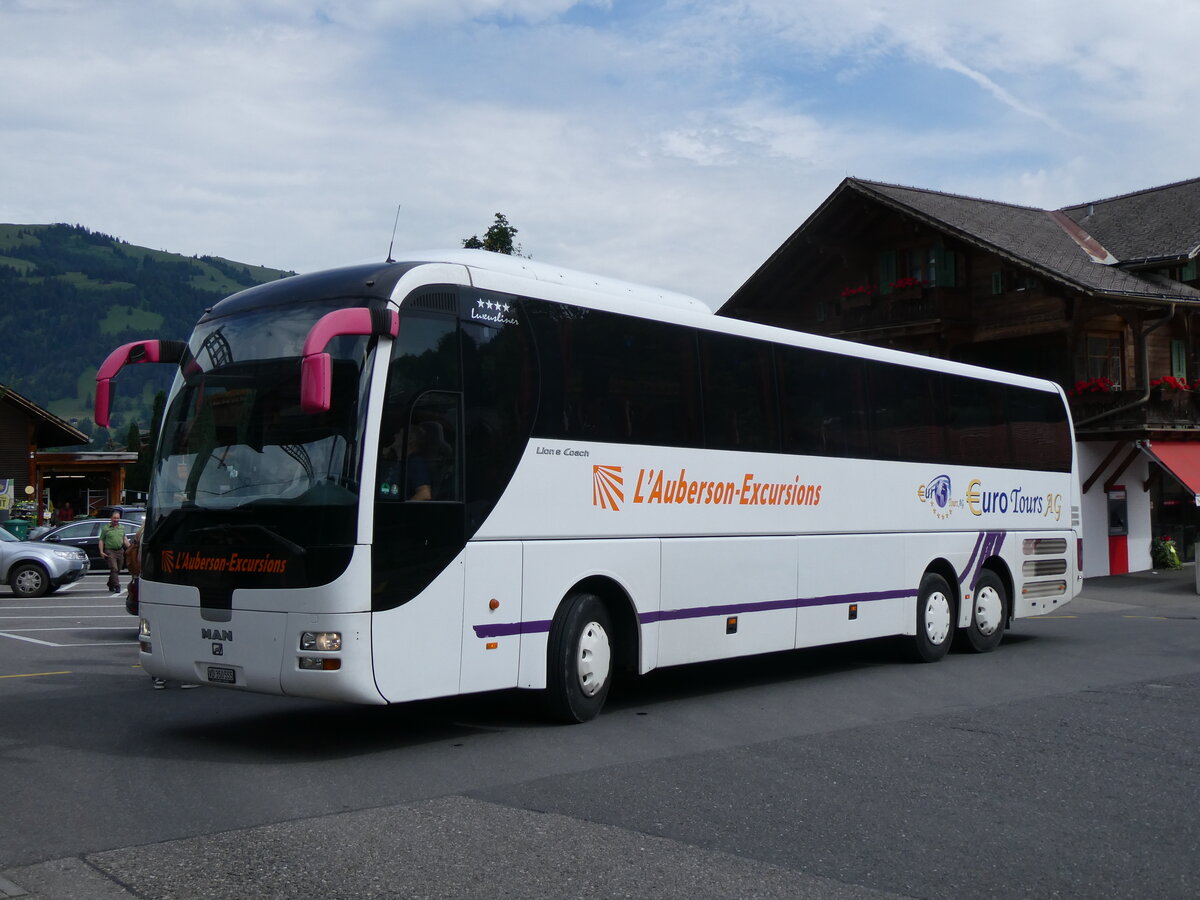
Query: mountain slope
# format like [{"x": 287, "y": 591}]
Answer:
[{"x": 69, "y": 295}]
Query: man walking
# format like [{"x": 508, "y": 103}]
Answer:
[{"x": 113, "y": 544}]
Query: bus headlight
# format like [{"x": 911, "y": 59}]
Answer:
[{"x": 326, "y": 641}]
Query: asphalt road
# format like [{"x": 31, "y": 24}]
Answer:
[{"x": 1064, "y": 764}]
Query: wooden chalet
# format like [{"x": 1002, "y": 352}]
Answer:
[
  {"x": 41, "y": 477},
  {"x": 1102, "y": 297}
]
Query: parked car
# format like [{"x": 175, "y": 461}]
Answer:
[
  {"x": 84, "y": 534},
  {"x": 127, "y": 513},
  {"x": 34, "y": 569}
]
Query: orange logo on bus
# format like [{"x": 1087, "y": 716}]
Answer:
[
  {"x": 657, "y": 486},
  {"x": 188, "y": 561},
  {"x": 608, "y": 487}
]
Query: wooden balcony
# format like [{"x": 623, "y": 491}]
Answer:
[
  {"x": 1164, "y": 411},
  {"x": 902, "y": 309}
]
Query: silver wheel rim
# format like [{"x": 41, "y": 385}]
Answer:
[
  {"x": 29, "y": 581},
  {"x": 937, "y": 617},
  {"x": 988, "y": 610},
  {"x": 594, "y": 657}
]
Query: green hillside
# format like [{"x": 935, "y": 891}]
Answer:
[{"x": 69, "y": 295}]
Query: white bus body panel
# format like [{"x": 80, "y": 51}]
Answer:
[
  {"x": 553, "y": 568},
  {"x": 417, "y": 646},
  {"x": 491, "y": 645},
  {"x": 706, "y": 580}
]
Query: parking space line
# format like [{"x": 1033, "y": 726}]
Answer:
[
  {"x": 87, "y": 606},
  {"x": 27, "y": 618},
  {"x": 16, "y": 636},
  {"x": 35, "y": 674}
]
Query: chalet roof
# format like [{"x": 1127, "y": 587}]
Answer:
[
  {"x": 1038, "y": 239},
  {"x": 1085, "y": 247},
  {"x": 1153, "y": 224},
  {"x": 49, "y": 429}
]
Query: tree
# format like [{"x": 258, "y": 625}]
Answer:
[{"x": 498, "y": 238}]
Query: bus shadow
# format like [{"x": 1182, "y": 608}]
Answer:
[{"x": 313, "y": 731}]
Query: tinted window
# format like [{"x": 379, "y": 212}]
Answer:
[
  {"x": 738, "y": 385},
  {"x": 823, "y": 397},
  {"x": 907, "y": 413},
  {"x": 615, "y": 378},
  {"x": 978, "y": 424},
  {"x": 1041, "y": 438}
]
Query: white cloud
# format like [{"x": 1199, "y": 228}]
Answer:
[{"x": 676, "y": 142}]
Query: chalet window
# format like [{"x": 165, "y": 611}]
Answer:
[{"x": 1105, "y": 357}]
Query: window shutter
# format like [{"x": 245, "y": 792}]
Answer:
[
  {"x": 997, "y": 282},
  {"x": 946, "y": 276},
  {"x": 1179, "y": 359},
  {"x": 887, "y": 271}
]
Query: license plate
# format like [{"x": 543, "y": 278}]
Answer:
[{"x": 222, "y": 675}]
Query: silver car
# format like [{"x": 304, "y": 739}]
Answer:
[{"x": 33, "y": 569}]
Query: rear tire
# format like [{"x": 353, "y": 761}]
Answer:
[
  {"x": 935, "y": 620},
  {"x": 579, "y": 660},
  {"x": 989, "y": 614},
  {"x": 29, "y": 580}
]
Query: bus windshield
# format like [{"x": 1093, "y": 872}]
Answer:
[{"x": 234, "y": 435}]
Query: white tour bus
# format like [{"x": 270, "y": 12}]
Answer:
[{"x": 466, "y": 472}]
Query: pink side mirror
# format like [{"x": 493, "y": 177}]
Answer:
[{"x": 316, "y": 366}]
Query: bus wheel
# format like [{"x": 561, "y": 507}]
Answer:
[
  {"x": 579, "y": 660},
  {"x": 989, "y": 612},
  {"x": 935, "y": 619}
]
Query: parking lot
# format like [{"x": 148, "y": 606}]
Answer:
[
  {"x": 1063, "y": 765},
  {"x": 38, "y": 637}
]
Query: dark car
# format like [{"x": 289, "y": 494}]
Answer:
[
  {"x": 84, "y": 534},
  {"x": 127, "y": 513}
]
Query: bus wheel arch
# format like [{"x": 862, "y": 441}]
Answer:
[
  {"x": 589, "y": 642},
  {"x": 936, "y": 613},
  {"x": 991, "y": 609}
]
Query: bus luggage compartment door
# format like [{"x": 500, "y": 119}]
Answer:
[{"x": 491, "y": 638}]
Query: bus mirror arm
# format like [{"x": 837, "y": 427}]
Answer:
[
  {"x": 125, "y": 355},
  {"x": 316, "y": 366}
]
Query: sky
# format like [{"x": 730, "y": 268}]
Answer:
[{"x": 675, "y": 143}]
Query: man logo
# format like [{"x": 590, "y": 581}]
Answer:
[
  {"x": 167, "y": 557},
  {"x": 607, "y": 487}
]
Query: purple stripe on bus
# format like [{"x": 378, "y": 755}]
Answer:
[
  {"x": 987, "y": 544},
  {"x": 510, "y": 628},
  {"x": 733, "y": 609},
  {"x": 974, "y": 554}
]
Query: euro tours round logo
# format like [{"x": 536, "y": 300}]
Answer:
[{"x": 937, "y": 494}]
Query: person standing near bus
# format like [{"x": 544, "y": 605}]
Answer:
[{"x": 113, "y": 544}]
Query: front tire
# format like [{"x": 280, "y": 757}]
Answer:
[
  {"x": 935, "y": 619},
  {"x": 29, "y": 580},
  {"x": 989, "y": 614},
  {"x": 579, "y": 661}
]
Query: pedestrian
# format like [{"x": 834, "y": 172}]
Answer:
[{"x": 113, "y": 544}]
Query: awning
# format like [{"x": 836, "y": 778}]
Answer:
[{"x": 1180, "y": 458}]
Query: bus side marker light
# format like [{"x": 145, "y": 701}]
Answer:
[
  {"x": 492, "y": 645},
  {"x": 493, "y": 604},
  {"x": 731, "y": 625},
  {"x": 853, "y": 611}
]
